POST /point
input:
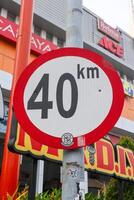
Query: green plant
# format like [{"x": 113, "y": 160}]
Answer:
[
  {"x": 43, "y": 196},
  {"x": 90, "y": 196},
  {"x": 127, "y": 142},
  {"x": 54, "y": 194},
  {"x": 111, "y": 190},
  {"x": 118, "y": 189}
]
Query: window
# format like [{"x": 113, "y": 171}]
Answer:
[
  {"x": 60, "y": 43},
  {"x": 130, "y": 80},
  {"x": 11, "y": 16},
  {"x": 121, "y": 74},
  {"x": 3, "y": 122},
  {"x": 37, "y": 30},
  {"x": 49, "y": 36}
]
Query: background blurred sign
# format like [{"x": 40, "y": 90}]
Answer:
[{"x": 128, "y": 88}]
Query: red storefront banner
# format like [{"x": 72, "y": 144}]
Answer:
[
  {"x": 113, "y": 160},
  {"x": 111, "y": 46},
  {"x": 108, "y": 30},
  {"x": 9, "y": 30}
]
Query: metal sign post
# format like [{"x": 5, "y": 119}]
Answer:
[{"x": 73, "y": 160}]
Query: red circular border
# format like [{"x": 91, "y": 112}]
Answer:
[{"x": 91, "y": 137}]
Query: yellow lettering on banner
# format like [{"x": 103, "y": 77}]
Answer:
[
  {"x": 126, "y": 169},
  {"x": 130, "y": 157},
  {"x": 105, "y": 156},
  {"x": 120, "y": 170},
  {"x": 105, "y": 160}
]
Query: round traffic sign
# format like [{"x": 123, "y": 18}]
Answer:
[{"x": 68, "y": 98}]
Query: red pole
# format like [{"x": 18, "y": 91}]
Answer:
[{"x": 11, "y": 162}]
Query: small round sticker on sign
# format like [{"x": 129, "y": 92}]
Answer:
[
  {"x": 67, "y": 139},
  {"x": 68, "y": 98}
]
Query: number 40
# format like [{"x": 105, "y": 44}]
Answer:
[{"x": 45, "y": 104}]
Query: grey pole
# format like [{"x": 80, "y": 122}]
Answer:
[
  {"x": 40, "y": 175},
  {"x": 73, "y": 160}
]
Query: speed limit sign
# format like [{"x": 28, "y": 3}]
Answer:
[{"x": 68, "y": 98}]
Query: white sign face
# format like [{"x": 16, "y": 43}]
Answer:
[
  {"x": 84, "y": 92},
  {"x": 1, "y": 105},
  {"x": 68, "y": 98}
]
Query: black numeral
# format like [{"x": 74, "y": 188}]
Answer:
[
  {"x": 59, "y": 95},
  {"x": 44, "y": 105}
]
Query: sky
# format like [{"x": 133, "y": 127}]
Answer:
[{"x": 114, "y": 12}]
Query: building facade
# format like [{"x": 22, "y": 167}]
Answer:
[{"x": 48, "y": 33}]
